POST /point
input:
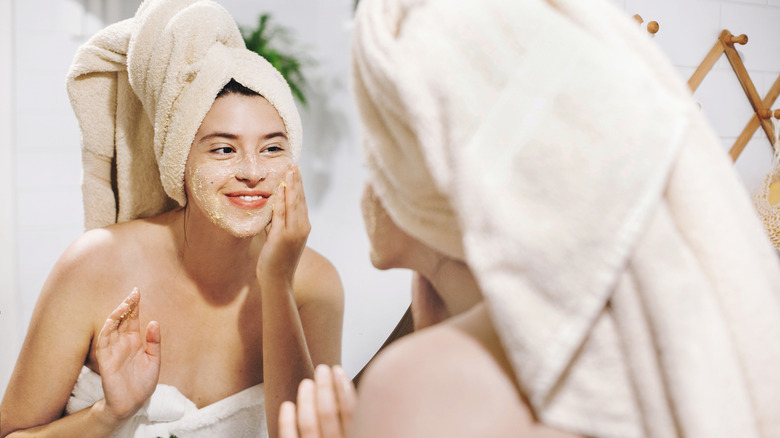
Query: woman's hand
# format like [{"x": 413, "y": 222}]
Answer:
[
  {"x": 288, "y": 230},
  {"x": 128, "y": 369},
  {"x": 325, "y": 407}
]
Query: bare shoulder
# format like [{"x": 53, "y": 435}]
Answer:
[
  {"x": 97, "y": 254},
  {"x": 60, "y": 332},
  {"x": 316, "y": 279},
  {"x": 91, "y": 269},
  {"x": 450, "y": 380}
]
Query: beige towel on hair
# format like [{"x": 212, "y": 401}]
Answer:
[
  {"x": 140, "y": 89},
  {"x": 553, "y": 147}
]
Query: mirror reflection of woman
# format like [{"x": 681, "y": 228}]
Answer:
[{"x": 201, "y": 320}]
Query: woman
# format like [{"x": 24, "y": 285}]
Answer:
[
  {"x": 594, "y": 263},
  {"x": 229, "y": 310}
]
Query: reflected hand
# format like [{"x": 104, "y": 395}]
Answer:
[
  {"x": 325, "y": 407},
  {"x": 427, "y": 306},
  {"x": 288, "y": 230},
  {"x": 129, "y": 372}
]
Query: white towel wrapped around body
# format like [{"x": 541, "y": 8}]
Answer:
[
  {"x": 140, "y": 89},
  {"x": 553, "y": 147},
  {"x": 168, "y": 412}
]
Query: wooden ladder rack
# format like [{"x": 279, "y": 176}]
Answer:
[{"x": 762, "y": 111}]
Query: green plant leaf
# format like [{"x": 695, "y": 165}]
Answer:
[{"x": 264, "y": 40}]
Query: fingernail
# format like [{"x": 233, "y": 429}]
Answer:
[
  {"x": 306, "y": 385},
  {"x": 321, "y": 372},
  {"x": 341, "y": 375}
]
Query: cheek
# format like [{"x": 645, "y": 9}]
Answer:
[
  {"x": 276, "y": 168},
  {"x": 368, "y": 207}
]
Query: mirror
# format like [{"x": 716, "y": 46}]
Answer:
[{"x": 46, "y": 163}]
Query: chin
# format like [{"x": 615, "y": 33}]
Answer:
[
  {"x": 245, "y": 230},
  {"x": 381, "y": 262}
]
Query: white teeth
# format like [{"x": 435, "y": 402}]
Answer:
[{"x": 250, "y": 198}]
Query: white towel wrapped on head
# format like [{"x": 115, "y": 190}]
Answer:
[
  {"x": 140, "y": 90},
  {"x": 551, "y": 146}
]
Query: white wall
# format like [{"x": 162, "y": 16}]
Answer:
[
  {"x": 9, "y": 339},
  {"x": 689, "y": 29},
  {"x": 48, "y": 214}
]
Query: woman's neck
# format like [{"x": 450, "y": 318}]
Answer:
[
  {"x": 213, "y": 258},
  {"x": 451, "y": 278}
]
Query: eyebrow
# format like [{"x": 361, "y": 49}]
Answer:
[{"x": 235, "y": 137}]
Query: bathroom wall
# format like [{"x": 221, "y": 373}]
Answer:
[
  {"x": 40, "y": 204},
  {"x": 689, "y": 29}
]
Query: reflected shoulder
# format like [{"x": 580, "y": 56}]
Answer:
[
  {"x": 442, "y": 381},
  {"x": 316, "y": 279}
]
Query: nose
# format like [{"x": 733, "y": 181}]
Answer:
[{"x": 251, "y": 169}]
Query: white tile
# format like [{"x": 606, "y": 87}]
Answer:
[
  {"x": 37, "y": 170},
  {"x": 45, "y": 51},
  {"x": 764, "y": 82},
  {"x": 35, "y": 16},
  {"x": 774, "y": 2},
  {"x": 760, "y": 24},
  {"x": 754, "y": 2},
  {"x": 46, "y": 130},
  {"x": 688, "y": 29},
  {"x": 49, "y": 209},
  {"x": 38, "y": 89},
  {"x": 724, "y": 103}
]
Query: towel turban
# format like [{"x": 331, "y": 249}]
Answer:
[
  {"x": 140, "y": 89},
  {"x": 553, "y": 148}
]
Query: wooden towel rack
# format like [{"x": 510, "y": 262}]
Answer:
[
  {"x": 762, "y": 111},
  {"x": 652, "y": 26}
]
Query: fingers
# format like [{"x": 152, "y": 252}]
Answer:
[
  {"x": 153, "y": 338},
  {"x": 347, "y": 397},
  {"x": 295, "y": 202},
  {"x": 127, "y": 311},
  {"x": 123, "y": 320},
  {"x": 288, "y": 427},
  {"x": 307, "y": 410},
  {"x": 327, "y": 406},
  {"x": 279, "y": 212}
]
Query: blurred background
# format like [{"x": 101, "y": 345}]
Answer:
[{"x": 40, "y": 167}]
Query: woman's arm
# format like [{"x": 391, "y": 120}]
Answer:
[
  {"x": 286, "y": 358},
  {"x": 320, "y": 298},
  {"x": 56, "y": 348}
]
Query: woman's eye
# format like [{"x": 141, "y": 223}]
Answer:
[
  {"x": 222, "y": 150},
  {"x": 273, "y": 148}
]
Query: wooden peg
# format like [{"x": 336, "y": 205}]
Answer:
[
  {"x": 768, "y": 113},
  {"x": 653, "y": 27},
  {"x": 741, "y": 40}
]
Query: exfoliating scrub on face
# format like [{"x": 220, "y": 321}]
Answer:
[{"x": 238, "y": 159}]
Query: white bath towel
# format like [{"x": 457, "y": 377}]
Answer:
[
  {"x": 553, "y": 147},
  {"x": 141, "y": 88},
  {"x": 169, "y": 413}
]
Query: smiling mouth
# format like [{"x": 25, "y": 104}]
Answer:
[{"x": 248, "y": 202}]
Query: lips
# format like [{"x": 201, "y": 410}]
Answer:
[{"x": 248, "y": 200}]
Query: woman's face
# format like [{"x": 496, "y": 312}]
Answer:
[{"x": 237, "y": 160}]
